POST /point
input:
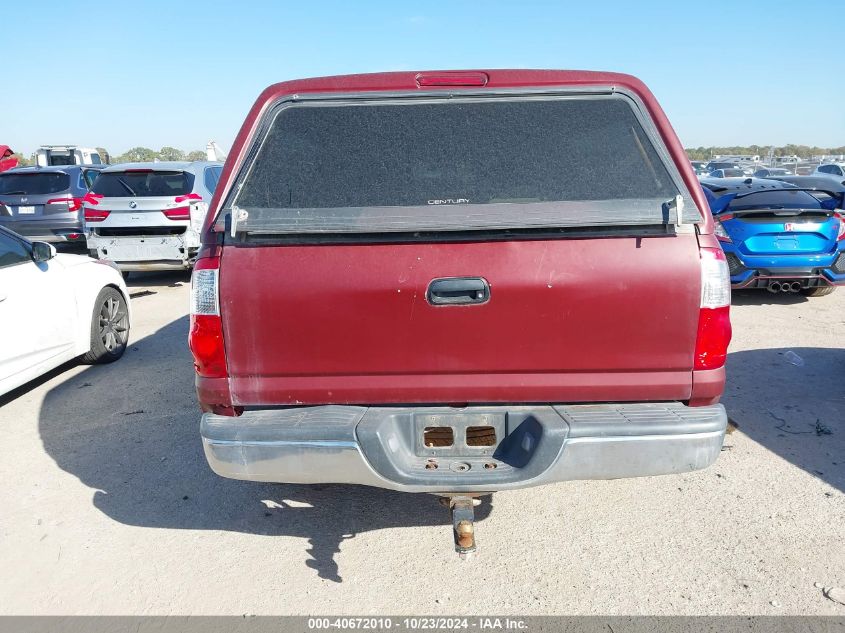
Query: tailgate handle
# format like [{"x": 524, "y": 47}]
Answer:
[{"x": 458, "y": 291}]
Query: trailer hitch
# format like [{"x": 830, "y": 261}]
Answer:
[{"x": 462, "y": 510}]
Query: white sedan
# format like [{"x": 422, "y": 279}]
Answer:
[{"x": 54, "y": 308}]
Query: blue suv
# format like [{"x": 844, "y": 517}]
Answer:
[{"x": 779, "y": 236}]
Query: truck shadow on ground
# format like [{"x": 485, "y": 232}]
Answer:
[
  {"x": 791, "y": 401},
  {"x": 138, "y": 281},
  {"x": 130, "y": 431}
]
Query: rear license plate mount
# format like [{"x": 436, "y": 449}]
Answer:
[{"x": 458, "y": 434}]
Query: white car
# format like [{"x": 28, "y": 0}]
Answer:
[
  {"x": 149, "y": 216},
  {"x": 837, "y": 170},
  {"x": 54, "y": 308}
]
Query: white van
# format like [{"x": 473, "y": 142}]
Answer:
[{"x": 48, "y": 155}]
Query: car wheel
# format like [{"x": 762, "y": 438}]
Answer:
[
  {"x": 109, "y": 327},
  {"x": 820, "y": 291}
]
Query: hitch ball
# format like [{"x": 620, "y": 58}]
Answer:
[{"x": 463, "y": 516}]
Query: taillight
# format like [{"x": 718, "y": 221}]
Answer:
[
  {"x": 95, "y": 215},
  {"x": 719, "y": 229},
  {"x": 714, "y": 322},
  {"x": 177, "y": 213},
  {"x": 92, "y": 198},
  {"x": 206, "y": 334},
  {"x": 841, "y": 235},
  {"x": 73, "y": 204}
]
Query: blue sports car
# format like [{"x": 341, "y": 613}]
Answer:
[{"x": 779, "y": 236}]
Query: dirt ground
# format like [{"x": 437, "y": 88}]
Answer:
[{"x": 108, "y": 506}]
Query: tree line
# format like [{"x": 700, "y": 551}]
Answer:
[
  {"x": 145, "y": 154},
  {"x": 803, "y": 151},
  {"x": 135, "y": 155}
]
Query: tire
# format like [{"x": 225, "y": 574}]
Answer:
[
  {"x": 820, "y": 291},
  {"x": 109, "y": 327}
]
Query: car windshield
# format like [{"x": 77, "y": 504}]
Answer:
[
  {"x": 455, "y": 165},
  {"x": 142, "y": 183},
  {"x": 33, "y": 183}
]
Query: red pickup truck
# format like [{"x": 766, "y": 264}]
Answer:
[{"x": 459, "y": 282}]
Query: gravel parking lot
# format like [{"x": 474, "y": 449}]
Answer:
[{"x": 109, "y": 506}]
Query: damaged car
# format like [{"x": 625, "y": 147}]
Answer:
[{"x": 148, "y": 216}]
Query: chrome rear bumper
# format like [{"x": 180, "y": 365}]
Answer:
[{"x": 386, "y": 447}]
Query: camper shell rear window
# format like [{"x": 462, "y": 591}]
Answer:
[{"x": 461, "y": 164}]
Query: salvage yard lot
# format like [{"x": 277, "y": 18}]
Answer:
[{"x": 109, "y": 506}]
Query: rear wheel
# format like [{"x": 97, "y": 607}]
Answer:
[
  {"x": 109, "y": 327},
  {"x": 819, "y": 291}
]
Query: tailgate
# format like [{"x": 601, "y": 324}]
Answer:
[
  {"x": 34, "y": 195},
  {"x": 136, "y": 212},
  {"x": 359, "y": 227},
  {"x": 26, "y": 208},
  {"x": 566, "y": 320},
  {"x": 143, "y": 197},
  {"x": 800, "y": 233},
  {"x": 781, "y": 221}
]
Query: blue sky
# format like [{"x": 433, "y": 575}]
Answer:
[{"x": 121, "y": 74}]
